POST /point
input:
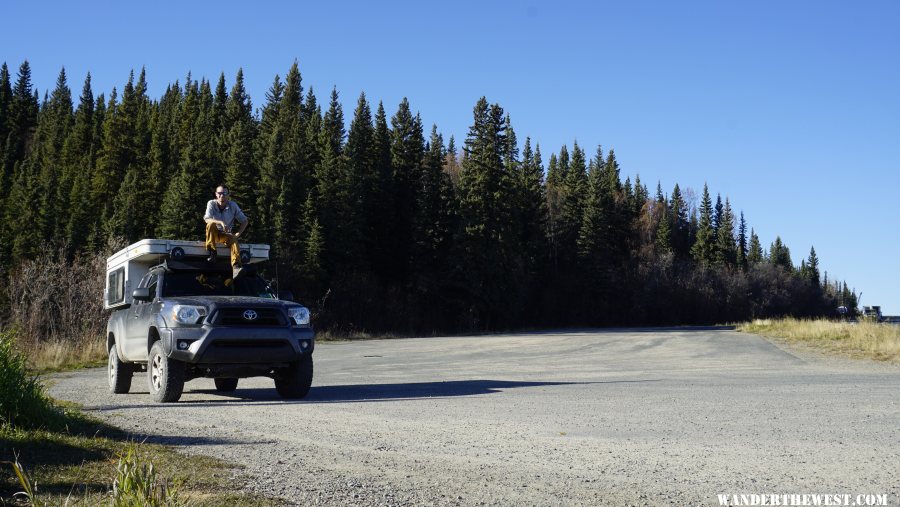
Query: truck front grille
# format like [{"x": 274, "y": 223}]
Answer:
[
  {"x": 250, "y": 344},
  {"x": 264, "y": 317}
]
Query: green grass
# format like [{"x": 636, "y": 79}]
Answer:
[
  {"x": 79, "y": 465},
  {"x": 52, "y": 454},
  {"x": 864, "y": 339}
]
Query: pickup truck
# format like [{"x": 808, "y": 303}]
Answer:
[{"x": 190, "y": 319}]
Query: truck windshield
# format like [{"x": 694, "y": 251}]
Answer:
[{"x": 185, "y": 283}]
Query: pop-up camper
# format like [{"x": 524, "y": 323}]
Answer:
[{"x": 125, "y": 268}]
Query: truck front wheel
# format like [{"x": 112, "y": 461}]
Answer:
[
  {"x": 295, "y": 380},
  {"x": 165, "y": 375},
  {"x": 119, "y": 373}
]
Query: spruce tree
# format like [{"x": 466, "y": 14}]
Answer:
[
  {"x": 363, "y": 183},
  {"x": 484, "y": 211},
  {"x": 311, "y": 124},
  {"x": 742, "y": 243},
  {"x": 241, "y": 175},
  {"x": 451, "y": 163},
  {"x": 407, "y": 150},
  {"x": 269, "y": 151},
  {"x": 21, "y": 123},
  {"x": 812, "y": 265},
  {"x": 681, "y": 243},
  {"x": 433, "y": 224},
  {"x": 111, "y": 166},
  {"x": 718, "y": 212},
  {"x": 298, "y": 177},
  {"x": 555, "y": 193},
  {"x": 78, "y": 162},
  {"x": 754, "y": 251},
  {"x": 5, "y": 101},
  {"x": 726, "y": 250},
  {"x": 333, "y": 123},
  {"x": 312, "y": 266},
  {"x": 563, "y": 162},
  {"x": 165, "y": 152},
  {"x": 573, "y": 204},
  {"x": 332, "y": 199},
  {"x": 593, "y": 238},
  {"x": 383, "y": 198},
  {"x": 616, "y": 208},
  {"x": 53, "y": 128},
  {"x": 184, "y": 202},
  {"x": 132, "y": 214},
  {"x": 780, "y": 255},
  {"x": 21, "y": 214},
  {"x": 641, "y": 196},
  {"x": 663, "y": 235},
  {"x": 531, "y": 208},
  {"x": 553, "y": 177},
  {"x": 704, "y": 248}
]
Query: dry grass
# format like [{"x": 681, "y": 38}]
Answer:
[
  {"x": 863, "y": 339},
  {"x": 65, "y": 355},
  {"x": 339, "y": 336}
]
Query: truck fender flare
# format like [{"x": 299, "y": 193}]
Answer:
[{"x": 152, "y": 337}]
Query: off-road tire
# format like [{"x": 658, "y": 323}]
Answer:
[
  {"x": 119, "y": 373},
  {"x": 165, "y": 376},
  {"x": 295, "y": 380},
  {"x": 226, "y": 385}
]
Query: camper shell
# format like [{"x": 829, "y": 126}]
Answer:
[{"x": 125, "y": 268}]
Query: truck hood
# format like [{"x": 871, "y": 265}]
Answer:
[{"x": 211, "y": 302}]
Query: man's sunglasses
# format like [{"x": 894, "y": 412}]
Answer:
[{"x": 221, "y": 193}]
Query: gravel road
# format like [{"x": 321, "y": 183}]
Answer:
[{"x": 621, "y": 417}]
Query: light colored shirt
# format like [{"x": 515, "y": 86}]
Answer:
[{"x": 228, "y": 214}]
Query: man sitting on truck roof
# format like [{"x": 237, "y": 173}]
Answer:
[{"x": 221, "y": 213}]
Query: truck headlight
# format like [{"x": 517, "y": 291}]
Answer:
[
  {"x": 188, "y": 314},
  {"x": 299, "y": 315}
]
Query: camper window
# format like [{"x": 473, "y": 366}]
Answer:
[{"x": 116, "y": 284}]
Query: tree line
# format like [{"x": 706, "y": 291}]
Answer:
[{"x": 386, "y": 227}]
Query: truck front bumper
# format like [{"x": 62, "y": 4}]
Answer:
[{"x": 237, "y": 345}]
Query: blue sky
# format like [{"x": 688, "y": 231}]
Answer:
[{"x": 790, "y": 109}]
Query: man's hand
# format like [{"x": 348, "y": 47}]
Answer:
[{"x": 237, "y": 234}]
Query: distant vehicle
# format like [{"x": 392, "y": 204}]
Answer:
[
  {"x": 872, "y": 313},
  {"x": 178, "y": 317}
]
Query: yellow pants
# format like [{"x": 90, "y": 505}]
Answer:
[{"x": 214, "y": 235}]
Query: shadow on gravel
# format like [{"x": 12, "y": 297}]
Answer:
[
  {"x": 605, "y": 330},
  {"x": 383, "y": 392},
  {"x": 356, "y": 393}
]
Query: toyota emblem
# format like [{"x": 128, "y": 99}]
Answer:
[{"x": 250, "y": 315}]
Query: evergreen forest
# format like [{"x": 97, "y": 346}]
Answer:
[{"x": 384, "y": 225}]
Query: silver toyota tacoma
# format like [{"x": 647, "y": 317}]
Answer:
[{"x": 191, "y": 319}]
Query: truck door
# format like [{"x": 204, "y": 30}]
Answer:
[{"x": 138, "y": 325}]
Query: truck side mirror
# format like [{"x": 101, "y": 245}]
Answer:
[
  {"x": 142, "y": 294},
  {"x": 286, "y": 295}
]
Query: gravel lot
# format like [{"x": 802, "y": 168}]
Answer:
[{"x": 619, "y": 417}]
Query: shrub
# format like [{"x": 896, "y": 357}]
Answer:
[
  {"x": 23, "y": 403},
  {"x": 56, "y": 306}
]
